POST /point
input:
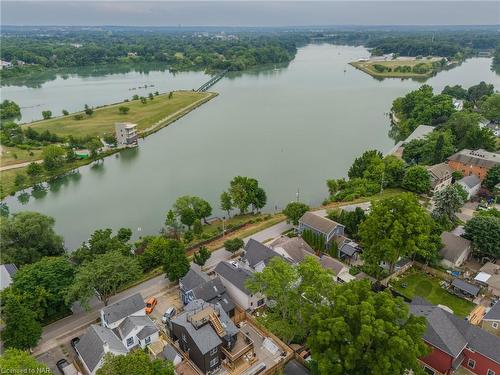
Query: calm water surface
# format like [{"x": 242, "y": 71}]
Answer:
[{"x": 291, "y": 128}]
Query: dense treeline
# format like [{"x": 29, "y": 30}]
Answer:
[
  {"x": 180, "y": 52},
  {"x": 188, "y": 50}
]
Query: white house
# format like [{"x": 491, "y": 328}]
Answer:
[
  {"x": 126, "y": 134},
  {"x": 471, "y": 185},
  {"x": 124, "y": 326},
  {"x": 7, "y": 272},
  {"x": 441, "y": 175},
  {"x": 455, "y": 251}
]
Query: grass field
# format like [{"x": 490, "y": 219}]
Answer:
[
  {"x": 102, "y": 121},
  {"x": 14, "y": 155},
  {"x": 368, "y": 67},
  {"x": 427, "y": 286}
]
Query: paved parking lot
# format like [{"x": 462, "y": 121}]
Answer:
[{"x": 166, "y": 299}]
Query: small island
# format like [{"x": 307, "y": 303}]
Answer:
[{"x": 388, "y": 66}]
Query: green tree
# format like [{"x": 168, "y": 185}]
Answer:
[
  {"x": 175, "y": 261},
  {"x": 350, "y": 219},
  {"x": 34, "y": 170},
  {"x": 123, "y": 109},
  {"x": 103, "y": 276},
  {"x": 22, "y": 330},
  {"x": 433, "y": 149},
  {"x": 18, "y": 361},
  {"x": 41, "y": 286},
  {"x": 492, "y": 178},
  {"x": 153, "y": 253},
  {"x": 89, "y": 111},
  {"x": 417, "y": 179},
  {"x": 25, "y": 237},
  {"x": 65, "y": 112},
  {"x": 170, "y": 94},
  {"x": 46, "y": 114},
  {"x": 294, "y": 211},
  {"x": 20, "y": 179},
  {"x": 294, "y": 294},
  {"x": 94, "y": 145},
  {"x": 457, "y": 92},
  {"x": 174, "y": 227},
  {"x": 365, "y": 332},
  {"x": 201, "y": 256},
  {"x": 234, "y": 244},
  {"x": 190, "y": 208},
  {"x": 102, "y": 241},
  {"x": 135, "y": 362},
  {"x": 447, "y": 202},
  {"x": 490, "y": 108},
  {"x": 245, "y": 192},
  {"x": 467, "y": 132},
  {"x": 151, "y": 96},
  {"x": 479, "y": 91},
  {"x": 394, "y": 170},
  {"x": 197, "y": 228},
  {"x": 135, "y": 97},
  {"x": 484, "y": 232},
  {"x": 9, "y": 110},
  {"x": 226, "y": 203},
  {"x": 397, "y": 227},
  {"x": 361, "y": 164},
  {"x": 53, "y": 157}
]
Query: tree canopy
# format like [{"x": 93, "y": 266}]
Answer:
[
  {"x": 135, "y": 362},
  {"x": 245, "y": 192},
  {"x": 417, "y": 179},
  {"x": 492, "y": 178},
  {"x": 26, "y": 237},
  {"x": 189, "y": 208},
  {"x": 175, "y": 261},
  {"x": 101, "y": 242},
  {"x": 364, "y": 332},
  {"x": 104, "y": 275},
  {"x": 397, "y": 227},
  {"x": 484, "y": 232},
  {"x": 294, "y": 211},
  {"x": 447, "y": 203},
  {"x": 17, "y": 360}
]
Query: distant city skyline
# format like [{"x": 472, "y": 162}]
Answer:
[{"x": 249, "y": 13}]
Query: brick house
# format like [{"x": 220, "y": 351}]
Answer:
[
  {"x": 456, "y": 343},
  {"x": 477, "y": 162}
]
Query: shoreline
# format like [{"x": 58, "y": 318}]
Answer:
[{"x": 80, "y": 163}]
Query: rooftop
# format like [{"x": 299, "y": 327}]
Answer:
[
  {"x": 470, "y": 181},
  {"x": 493, "y": 270},
  {"x": 454, "y": 246},
  {"x": 480, "y": 158},
  {"x": 319, "y": 223},
  {"x": 256, "y": 252},
  {"x": 465, "y": 286},
  {"x": 193, "y": 279},
  {"x": 234, "y": 274},
  {"x": 440, "y": 171},
  {"x": 7, "y": 272},
  {"x": 123, "y": 308},
  {"x": 452, "y": 334},
  {"x": 296, "y": 248},
  {"x": 494, "y": 313}
]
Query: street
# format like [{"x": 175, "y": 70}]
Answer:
[{"x": 64, "y": 329}]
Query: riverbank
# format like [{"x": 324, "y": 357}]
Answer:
[
  {"x": 403, "y": 67},
  {"x": 151, "y": 117}
]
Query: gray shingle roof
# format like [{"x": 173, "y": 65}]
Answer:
[
  {"x": 205, "y": 336},
  {"x": 295, "y": 368},
  {"x": 349, "y": 248},
  {"x": 256, "y": 252},
  {"x": 494, "y": 313},
  {"x": 123, "y": 308},
  {"x": 7, "y": 272},
  {"x": 480, "y": 158},
  {"x": 454, "y": 246},
  {"x": 132, "y": 322},
  {"x": 332, "y": 264},
  {"x": 439, "y": 172},
  {"x": 470, "y": 181},
  {"x": 169, "y": 353},
  {"x": 319, "y": 223},
  {"x": 295, "y": 247},
  {"x": 91, "y": 349},
  {"x": 192, "y": 279},
  {"x": 465, "y": 286},
  {"x": 234, "y": 274},
  {"x": 213, "y": 291},
  {"x": 147, "y": 331},
  {"x": 451, "y": 334}
]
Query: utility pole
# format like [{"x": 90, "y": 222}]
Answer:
[
  {"x": 382, "y": 183},
  {"x": 298, "y": 195}
]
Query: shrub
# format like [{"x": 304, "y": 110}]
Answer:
[{"x": 234, "y": 244}]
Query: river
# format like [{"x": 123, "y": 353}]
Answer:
[{"x": 290, "y": 127}]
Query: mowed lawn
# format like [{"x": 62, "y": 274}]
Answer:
[
  {"x": 367, "y": 66},
  {"x": 427, "y": 286},
  {"x": 102, "y": 121}
]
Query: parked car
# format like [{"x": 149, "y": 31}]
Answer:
[
  {"x": 74, "y": 341},
  {"x": 66, "y": 368},
  {"x": 168, "y": 314},
  {"x": 150, "y": 305}
]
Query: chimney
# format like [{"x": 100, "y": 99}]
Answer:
[{"x": 105, "y": 346}]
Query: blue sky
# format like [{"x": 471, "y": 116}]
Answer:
[{"x": 249, "y": 13}]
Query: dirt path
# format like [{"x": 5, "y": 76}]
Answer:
[{"x": 18, "y": 165}]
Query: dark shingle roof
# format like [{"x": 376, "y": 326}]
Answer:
[
  {"x": 319, "y": 223},
  {"x": 123, "y": 308},
  {"x": 465, "y": 286},
  {"x": 132, "y": 322},
  {"x": 454, "y": 246},
  {"x": 451, "y": 334},
  {"x": 147, "y": 331},
  {"x": 295, "y": 247},
  {"x": 192, "y": 279},
  {"x": 213, "y": 291},
  {"x": 332, "y": 264},
  {"x": 205, "y": 336},
  {"x": 91, "y": 349},
  {"x": 295, "y": 368},
  {"x": 480, "y": 158},
  {"x": 494, "y": 313},
  {"x": 234, "y": 274},
  {"x": 256, "y": 252},
  {"x": 349, "y": 248}
]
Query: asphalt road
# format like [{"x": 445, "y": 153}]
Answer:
[{"x": 54, "y": 334}]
